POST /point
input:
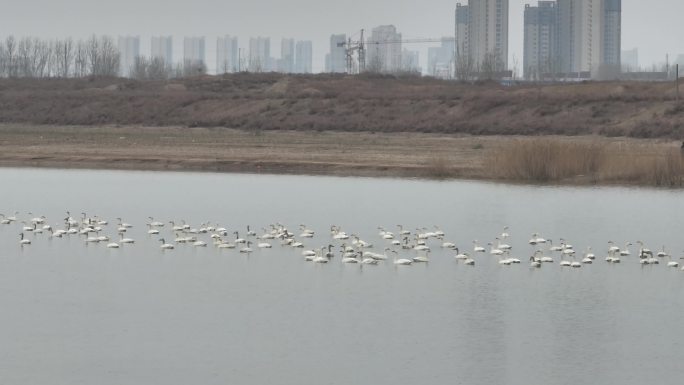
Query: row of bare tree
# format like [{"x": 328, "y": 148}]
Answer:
[{"x": 39, "y": 58}]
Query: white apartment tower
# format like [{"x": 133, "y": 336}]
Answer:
[
  {"x": 540, "y": 57},
  {"x": 193, "y": 51},
  {"x": 129, "y": 51},
  {"x": 303, "y": 57},
  {"x": 227, "y": 54},
  {"x": 486, "y": 36},
  {"x": 589, "y": 35},
  {"x": 384, "y": 50},
  {"x": 162, "y": 48},
  {"x": 337, "y": 59},
  {"x": 259, "y": 54},
  {"x": 287, "y": 56}
]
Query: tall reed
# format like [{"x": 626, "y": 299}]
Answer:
[{"x": 565, "y": 160}]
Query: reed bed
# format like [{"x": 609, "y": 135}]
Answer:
[{"x": 564, "y": 160}]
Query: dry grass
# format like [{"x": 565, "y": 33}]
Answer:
[
  {"x": 275, "y": 102},
  {"x": 581, "y": 160}
]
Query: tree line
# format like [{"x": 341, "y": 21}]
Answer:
[
  {"x": 39, "y": 58},
  {"x": 30, "y": 57}
]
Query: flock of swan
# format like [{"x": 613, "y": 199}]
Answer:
[{"x": 415, "y": 246}]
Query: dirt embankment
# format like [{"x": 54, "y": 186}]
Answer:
[{"x": 261, "y": 102}]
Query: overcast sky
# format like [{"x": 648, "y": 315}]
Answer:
[{"x": 655, "y": 29}]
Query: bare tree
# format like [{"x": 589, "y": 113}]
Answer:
[
  {"x": 81, "y": 64},
  {"x": 464, "y": 66},
  {"x": 65, "y": 56},
  {"x": 158, "y": 69},
  {"x": 11, "y": 55}
]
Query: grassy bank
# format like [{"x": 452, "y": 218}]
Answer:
[
  {"x": 557, "y": 160},
  {"x": 267, "y": 102}
]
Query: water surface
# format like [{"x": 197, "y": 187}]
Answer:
[{"x": 84, "y": 314}]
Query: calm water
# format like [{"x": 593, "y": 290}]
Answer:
[{"x": 82, "y": 314}]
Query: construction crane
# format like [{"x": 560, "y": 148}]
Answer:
[{"x": 359, "y": 47}]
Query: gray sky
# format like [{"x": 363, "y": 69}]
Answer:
[{"x": 654, "y": 29}]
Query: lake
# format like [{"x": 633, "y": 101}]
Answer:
[{"x": 78, "y": 313}]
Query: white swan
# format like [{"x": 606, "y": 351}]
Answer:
[
  {"x": 23, "y": 241},
  {"x": 113, "y": 245},
  {"x": 164, "y": 245},
  {"x": 477, "y": 248}
]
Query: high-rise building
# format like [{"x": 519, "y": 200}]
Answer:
[
  {"x": 612, "y": 32},
  {"x": 162, "y": 48},
  {"x": 540, "y": 56},
  {"x": 384, "y": 50},
  {"x": 193, "y": 51},
  {"x": 303, "y": 57},
  {"x": 629, "y": 60},
  {"x": 462, "y": 24},
  {"x": 259, "y": 54},
  {"x": 129, "y": 51},
  {"x": 287, "y": 56},
  {"x": 486, "y": 35},
  {"x": 441, "y": 59},
  {"x": 589, "y": 35},
  {"x": 337, "y": 61},
  {"x": 410, "y": 61},
  {"x": 227, "y": 54}
]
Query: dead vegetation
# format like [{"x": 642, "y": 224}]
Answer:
[
  {"x": 578, "y": 160},
  {"x": 343, "y": 103}
]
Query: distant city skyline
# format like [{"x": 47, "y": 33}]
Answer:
[{"x": 643, "y": 24}]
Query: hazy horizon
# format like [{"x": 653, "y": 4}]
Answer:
[{"x": 642, "y": 23}]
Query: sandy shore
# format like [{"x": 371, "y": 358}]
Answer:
[{"x": 281, "y": 152}]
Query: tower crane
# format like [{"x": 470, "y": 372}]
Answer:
[{"x": 359, "y": 47}]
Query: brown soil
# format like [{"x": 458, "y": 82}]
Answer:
[{"x": 298, "y": 152}]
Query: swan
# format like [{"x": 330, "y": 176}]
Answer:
[
  {"x": 534, "y": 262},
  {"x": 469, "y": 262},
  {"x": 350, "y": 259},
  {"x": 644, "y": 252},
  {"x": 309, "y": 253},
  {"x": 589, "y": 254},
  {"x": 200, "y": 244},
  {"x": 422, "y": 258},
  {"x": 503, "y": 261},
  {"x": 494, "y": 251},
  {"x": 247, "y": 249},
  {"x": 505, "y": 234},
  {"x": 503, "y": 246},
  {"x": 554, "y": 248},
  {"x": 23, "y": 241},
  {"x": 462, "y": 256},
  {"x": 152, "y": 231},
  {"x": 164, "y": 245},
  {"x": 113, "y": 245},
  {"x": 369, "y": 261},
  {"x": 402, "y": 261},
  {"x": 155, "y": 223},
  {"x": 449, "y": 245},
  {"x": 124, "y": 224},
  {"x": 625, "y": 252},
  {"x": 673, "y": 264},
  {"x": 125, "y": 240},
  {"x": 477, "y": 248},
  {"x": 264, "y": 245},
  {"x": 320, "y": 258},
  {"x": 422, "y": 248},
  {"x": 238, "y": 239},
  {"x": 662, "y": 253},
  {"x": 402, "y": 231}
]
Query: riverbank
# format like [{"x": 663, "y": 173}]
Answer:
[
  {"x": 413, "y": 155},
  {"x": 375, "y": 103}
]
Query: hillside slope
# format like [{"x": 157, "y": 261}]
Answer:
[{"x": 344, "y": 103}]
